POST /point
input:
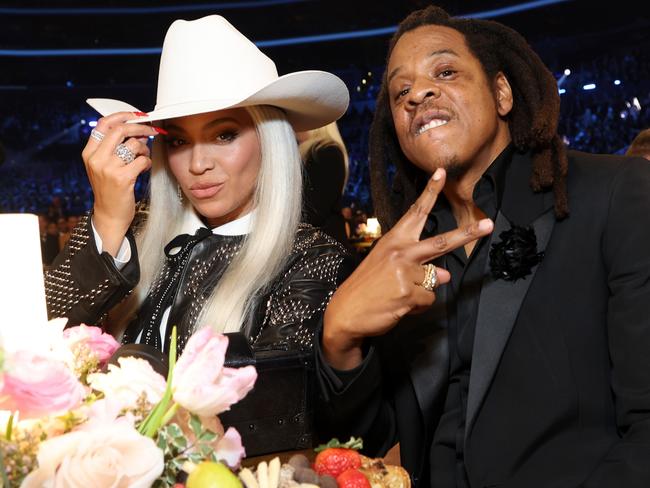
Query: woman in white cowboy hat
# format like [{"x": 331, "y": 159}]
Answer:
[{"x": 220, "y": 243}]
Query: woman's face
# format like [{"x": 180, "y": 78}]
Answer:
[{"x": 215, "y": 158}]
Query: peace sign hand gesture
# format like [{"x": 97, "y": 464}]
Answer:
[{"x": 388, "y": 283}]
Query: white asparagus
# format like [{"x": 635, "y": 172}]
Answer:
[
  {"x": 274, "y": 472},
  {"x": 263, "y": 474},
  {"x": 246, "y": 475}
]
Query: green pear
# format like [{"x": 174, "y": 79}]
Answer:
[{"x": 209, "y": 474}]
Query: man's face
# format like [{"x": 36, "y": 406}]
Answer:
[{"x": 446, "y": 113}]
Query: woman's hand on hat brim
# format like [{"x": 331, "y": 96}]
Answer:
[{"x": 112, "y": 180}]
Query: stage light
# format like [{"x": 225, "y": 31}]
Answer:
[
  {"x": 617, "y": 82},
  {"x": 92, "y": 123},
  {"x": 82, "y": 121},
  {"x": 562, "y": 91},
  {"x": 567, "y": 72},
  {"x": 363, "y": 82},
  {"x": 69, "y": 84},
  {"x": 590, "y": 86}
]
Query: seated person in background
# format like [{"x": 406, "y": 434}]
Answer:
[
  {"x": 347, "y": 217},
  {"x": 326, "y": 171},
  {"x": 220, "y": 244},
  {"x": 50, "y": 242},
  {"x": 640, "y": 145},
  {"x": 64, "y": 231}
]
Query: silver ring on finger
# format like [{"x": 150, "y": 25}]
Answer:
[
  {"x": 124, "y": 153},
  {"x": 98, "y": 136},
  {"x": 430, "y": 281}
]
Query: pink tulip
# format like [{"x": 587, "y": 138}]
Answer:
[
  {"x": 101, "y": 344},
  {"x": 37, "y": 385},
  {"x": 201, "y": 383}
]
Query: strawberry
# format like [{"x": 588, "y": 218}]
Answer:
[
  {"x": 352, "y": 478},
  {"x": 334, "y": 457}
]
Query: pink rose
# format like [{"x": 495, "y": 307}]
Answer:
[
  {"x": 37, "y": 385},
  {"x": 201, "y": 383},
  {"x": 102, "y": 345},
  {"x": 110, "y": 455}
]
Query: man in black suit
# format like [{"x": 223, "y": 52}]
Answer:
[{"x": 532, "y": 367}]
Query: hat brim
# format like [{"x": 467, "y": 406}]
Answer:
[{"x": 311, "y": 99}]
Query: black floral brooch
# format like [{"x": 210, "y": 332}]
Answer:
[{"x": 516, "y": 255}]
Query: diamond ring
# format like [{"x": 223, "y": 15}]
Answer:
[
  {"x": 124, "y": 153},
  {"x": 98, "y": 136}
]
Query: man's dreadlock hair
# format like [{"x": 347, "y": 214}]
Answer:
[{"x": 532, "y": 121}]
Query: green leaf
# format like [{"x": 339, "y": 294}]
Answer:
[
  {"x": 173, "y": 430},
  {"x": 180, "y": 443},
  {"x": 205, "y": 450},
  {"x": 195, "y": 457},
  {"x": 355, "y": 443},
  {"x": 207, "y": 436},
  {"x": 195, "y": 425}
]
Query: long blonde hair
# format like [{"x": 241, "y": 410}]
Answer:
[
  {"x": 277, "y": 201},
  {"x": 323, "y": 136}
]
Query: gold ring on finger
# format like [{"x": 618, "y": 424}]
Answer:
[
  {"x": 124, "y": 153},
  {"x": 430, "y": 281}
]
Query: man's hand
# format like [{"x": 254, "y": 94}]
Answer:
[{"x": 388, "y": 283}]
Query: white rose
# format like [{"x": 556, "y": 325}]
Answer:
[
  {"x": 115, "y": 456},
  {"x": 127, "y": 382}
]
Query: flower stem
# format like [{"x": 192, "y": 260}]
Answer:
[
  {"x": 169, "y": 414},
  {"x": 153, "y": 422},
  {"x": 10, "y": 426}
]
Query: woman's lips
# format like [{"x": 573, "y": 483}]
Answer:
[{"x": 205, "y": 191}]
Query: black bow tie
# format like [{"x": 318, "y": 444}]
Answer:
[
  {"x": 186, "y": 241},
  {"x": 164, "y": 295}
]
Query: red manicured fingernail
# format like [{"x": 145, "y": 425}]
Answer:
[
  {"x": 141, "y": 114},
  {"x": 160, "y": 130}
]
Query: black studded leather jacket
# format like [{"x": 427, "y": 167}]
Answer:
[{"x": 83, "y": 285}]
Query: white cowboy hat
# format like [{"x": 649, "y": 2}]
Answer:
[{"x": 208, "y": 65}]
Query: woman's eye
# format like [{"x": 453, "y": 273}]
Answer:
[
  {"x": 174, "y": 141},
  {"x": 226, "y": 137},
  {"x": 446, "y": 73}
]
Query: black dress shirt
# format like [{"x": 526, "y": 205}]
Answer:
[{"x": 447, "y": 449}]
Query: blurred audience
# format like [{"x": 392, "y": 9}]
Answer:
[{"x": 42, "y": 139}]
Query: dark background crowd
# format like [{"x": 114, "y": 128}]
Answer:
[{"x": 603, "y": 73}]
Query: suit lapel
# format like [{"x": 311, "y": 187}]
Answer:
[{"x": 501, "y": 300}]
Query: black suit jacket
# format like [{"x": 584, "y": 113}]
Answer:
[{"x": 559, "y": 391}]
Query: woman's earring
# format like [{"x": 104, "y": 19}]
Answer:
[{"x": 179, "y": 193}]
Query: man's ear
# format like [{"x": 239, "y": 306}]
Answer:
[{"x": 503, "y": 94}]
